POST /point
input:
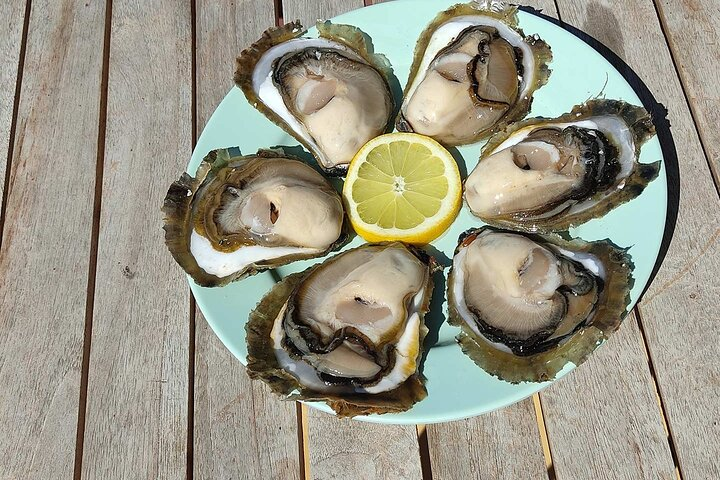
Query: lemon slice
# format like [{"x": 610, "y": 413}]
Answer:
[{"x": 402, "y": 186}]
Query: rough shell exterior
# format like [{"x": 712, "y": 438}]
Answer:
[
  {"x": 642, "y": 128},
  {"x": 347, "y": 35},
  {"x": 506, "y": 14},
  {"x": 262, "y": 363},
  {"x": 178, "y": 222},
  {"x": 544, "y": 366}
]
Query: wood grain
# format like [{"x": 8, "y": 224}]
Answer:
[
  {"x": 604, "y": 421},
  {"x": 504, "y": 444},
  {"x": 137, "y": 405},
  {"x": 343, "y": 448},
  {"x": 12, "y": 14},
  {"x": 309, "y": 11},
  {"x": 680, "y": 307},
  {"x": 693, "y": 33},
  {"x": 47, "y": 232},
  {"x": 241, "y": 429}
]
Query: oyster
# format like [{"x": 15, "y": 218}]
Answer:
[
  {"x": 348, "y": 331},
  {"x": 474, "y": 72},
  {"x": 330, "y": 93},
  {"x": 550, "y": 174},
  {"x": 243, "y": 214},
  {"x": 527, "y": 304}
]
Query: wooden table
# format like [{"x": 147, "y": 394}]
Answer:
[{"x": 108, "y": 371}]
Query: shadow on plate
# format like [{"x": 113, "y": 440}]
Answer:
[{"x": 662, "y": 127}]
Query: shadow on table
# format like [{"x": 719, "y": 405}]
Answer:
[{"x": 662, "y": 126}]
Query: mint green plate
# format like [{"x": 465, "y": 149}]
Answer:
[{"x": 457, "y": 388}]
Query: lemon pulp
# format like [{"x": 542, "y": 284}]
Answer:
[{"x": 402, "y": 186}]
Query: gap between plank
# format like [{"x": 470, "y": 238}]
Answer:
[
  {"x": 544, "y": 439},
  {"x": 190, "y": 446},
  {"x": 557, "y": 10},
  {"x": 190, "y": 461},
  {"x": 302, "y": 433},
  {"x": 425, "y": 465},
  {"x": 691, "y": 107},
  {"x": 13, "y": 119},
  {"x": 92, "y": 266},
  {"x": 279, "y": 21},
  {"x": 661, "y": 403}
]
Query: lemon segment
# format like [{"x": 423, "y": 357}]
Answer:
[{"x": 402, "y": 186}]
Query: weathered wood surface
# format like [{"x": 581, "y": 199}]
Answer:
[
  {"x": 137, "y": 396},
  {"x": 12, "y": 13},
  {"x": 693, "y": 33},
  {"x": 680, "y": 307},
  {"x": 604, "y": 421},
  {"x": 310, "y": 11},
  {"x": 46, "y": 237},
  {"x": 240, "y": 429},
  {"x": 504, "y": 444},
  {"x": 342, "y": 448}
]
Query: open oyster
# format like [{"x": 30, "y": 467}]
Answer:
[
  {"x": 348, "y": 331},
  {"x": 550, "y": 174},
  {"x": 331, "y": 93},
  {"x": 243, "y": 214},
  {"x": 474, "y": 72},
  {"x": 527, "y": 304}
]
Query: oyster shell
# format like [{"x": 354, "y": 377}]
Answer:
[
  {"x": 331, "y": 93},
  {"x": 243, "y": 214},
  {"x": 474, "y": 72},
  {"x": 527, "y": 304},
  {"x": 348, "y": 331},
  {"x": 547, "y": 175}
]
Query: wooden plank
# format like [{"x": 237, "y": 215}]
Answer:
[
  {"x": 230, "y": 410},
  {"x": 680, "y": 307},
  {"x": 342, "y": 448},
  {"x": 693, "y": 33},
  {"x": 47, "y": 236},
  {"x": 12, "y": 14},
  {"x": 504, "y": 444},
  {"x": 137, "y": 398},
  {"x": 309, "y": 11},
  {"x": 241, "y": 429},
  {"x": 604, "y": 419}
]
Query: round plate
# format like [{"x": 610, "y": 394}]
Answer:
[{"x": 457, "y": 388}]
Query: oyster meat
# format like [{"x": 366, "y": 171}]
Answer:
[
  {"x": 348, "y": 331},
  {"x": 550, "y": 174},
  {"x": 242, "y": 214},
  {"x": 331, "y": 93},
  {"x": 474, "y": 72},
  {"x": 527, "y": 304}
]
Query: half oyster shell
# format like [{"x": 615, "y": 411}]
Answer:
[
  {"x": 348, "y": 332},
  {"x": 474, "y": 72},
  {"x": 545, "y": 175},
  {"x": 527, "y": 304},
  {"x": 243, "y": 214},
  {"x": 331, "y": 93}
]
